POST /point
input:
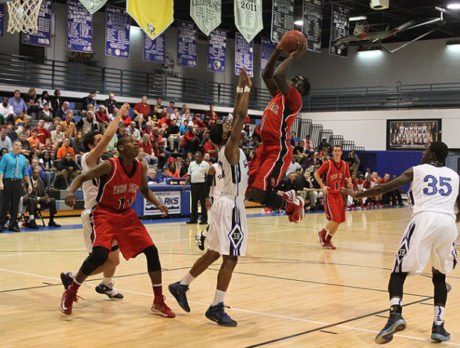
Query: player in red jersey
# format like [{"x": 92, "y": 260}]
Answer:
[
  {"x": 332, "y": 176},
  {"x": 113, "y": 219},
  {"x": 273, "y": 156}
]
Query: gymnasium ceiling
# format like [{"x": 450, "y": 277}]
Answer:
[{"x": 400, "y": 11}]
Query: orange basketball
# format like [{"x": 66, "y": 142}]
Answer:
[{"x": 291, "y": 40}]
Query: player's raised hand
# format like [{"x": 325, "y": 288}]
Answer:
[
  {"x": 299, "y": 52},
  {"x": 70, "y": 199},
  {"x": 164, "y": 209},
  {"x": 241, "y": 77},
  {"x": 247, "y": 79},
  {"x": 125, "y": 108},
  {"x": 349, "y": 191}
]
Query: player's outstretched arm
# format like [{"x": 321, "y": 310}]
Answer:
[
  {"x": 404, "y": 179},
  {"x": 281, "y": 72},
  {"x": 208, "y": 184},
  {"x": 109, "y": 133},
  {"x": 267, "y": 75},
  {"x": 105, "y": 168},
  {"x": 148, "y": 194}
]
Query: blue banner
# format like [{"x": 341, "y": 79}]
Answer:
[
  {"x": 117, "y": 25},
  {"x": 43, "y": 36},
  {"x": 243, "y": 54},
  {"x": 217, "y": 50},
  {"x": 187, "y": 45},
  {"x": 79, "y": 27},
  {"x": 2, "y": 18},
  {"x": 154, "y": 50},
  {"x": 267, "y": 49}
]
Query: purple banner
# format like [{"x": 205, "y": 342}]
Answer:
[
  {"x": 217, "y": 50},
  {"x": 187, "y": 45},
  {"x": 154, "y": 50}
]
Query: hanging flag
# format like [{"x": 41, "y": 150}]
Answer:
[
  {"x": 154, "y": 50},
  {"x": 243, "y": 54},
  {"x": 93, "y": 5},
  {"x": 117, "y": 29},
  {"x": 154, "y": 17},
  {"x": 266, "y": 48},
  {"x": 217, "y": 50},
  {"x": 79, "y": 27},
  {"x": 187, "y": 45},
  {"x": 206, "y": 14},
  {"x": 248, "y": 18},
  {"x": 2, "y": 17},
  {"x": 43, "y": 35},
  {"x": 339, "y": 30},
  {"x": 282, "y": 18},
  {"x": 312, "y": 23}
]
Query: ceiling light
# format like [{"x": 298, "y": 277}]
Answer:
[
  {"x": 454, "y": 6},
  {"x": 453, "y": 45},
  {"x": 370, "y": 53},
  {"x": 298, "y": 22},
  {"x": 357, "y": 18}
]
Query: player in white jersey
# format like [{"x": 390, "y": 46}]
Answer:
[
  {"x": 96, "y": 144},
  {"x": 228, "y": 233},
  {"x": 215, "y": 172},
  {"x": 430, "y": 236}
]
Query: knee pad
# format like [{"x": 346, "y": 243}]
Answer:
[
  {"x": 96, "y": 259},
  {"x": 153, "y": 260}
]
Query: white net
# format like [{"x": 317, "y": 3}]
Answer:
[{"x": 23, "y": 15}]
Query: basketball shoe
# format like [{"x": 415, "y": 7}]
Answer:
[
  {"x": 217, "y": 314},
  {"x": 199, "y": 239},
  {"x": 68, "y": 298},
  {"x": 322, "y": 237},
  {"x": 159, "y": 306},
  {"x": 328, "y": 243},
  {"x": 394, "y": 324},
  {"x": 438, "y": 333},
  {"x": 294, "y": 208},
  {"x": 109, "y": 291},
  {"x": 66, "y": 279},
  {"x": 178, "y": 291}
]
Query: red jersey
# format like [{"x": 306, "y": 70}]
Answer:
[
  {"x": 279, "y": 115},
  {"x": 118, "y": 190},
  {"x": 333, "y": 175}
]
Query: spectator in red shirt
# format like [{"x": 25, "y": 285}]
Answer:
[
  {"x": 165, "y": 120},
  {"x": 147, "y": 147},
  {"x": 210, "y": 113},
  {"x": 43, "y": 133},
  {"x": 141, "y": 111},
  {"x": 308, "y": 144},
  {"x": 126, "y": 120},
  {"x": 212, "y": 150},
  {"x": 197, "y": 122},
  {"x": 156, "y": 136},
  {"x": 191, "y": 141},
  {"x": 102, "y": 117}
]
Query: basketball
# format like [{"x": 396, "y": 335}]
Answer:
[{"x": 290, "y": 41}]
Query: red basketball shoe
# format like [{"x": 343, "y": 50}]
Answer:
[
  {"x": 67, "y": 300},
  {"x": 159, "y": 306},
  {"x": 322, "y": 237},
  {"x": 294, "y": 209},
  {"x": 328, "y": 243}
]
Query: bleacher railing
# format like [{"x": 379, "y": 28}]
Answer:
[{"x": 16, "y": 70}]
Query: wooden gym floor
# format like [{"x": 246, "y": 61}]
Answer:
[{"x": 288, "y": 291}]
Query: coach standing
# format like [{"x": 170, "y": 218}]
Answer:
[
  {"x": 13, "y": 168},
  {"x": 196, "y": 175}
]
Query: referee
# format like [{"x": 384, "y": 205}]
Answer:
[{"x": 13, "y": 168}]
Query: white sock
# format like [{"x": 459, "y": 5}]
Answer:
[
  {"x": 219, "y": 297},
  {"x": 439, "y": 314},
  {"x": 107, "y": 282},
  {"x": 31, "y": 217},
  {"x": 73, "y": 274},
  {"x": 188, "y": 279},
  {"x": 395, "y": 301},
  {"x": 156, "y": 285}
]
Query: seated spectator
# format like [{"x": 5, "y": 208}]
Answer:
[
  {"x": 140, "y": 157},
  {"x": 47, "y": 164},
  {"x": 157, "y": 137},
  {"x": 172, "y": 133},
  {"x": 111, "y": 104},
  {"x": 35, "y": 144},
  {"x": 152, "y": 176},
  {"x": 36, "y": 165},
  {"x": 68, "y": 127},
  {"x": 56, "y": 101},
  {"x": 186, "y": 116},
  {"x": 210, "y": 114},
  {"x": 50, "y": 147},
  {"x": 184, "y": 168},
  {"x": 191, "y": 141},
  {"x": 198, "y": 123},
  {"x": 78, "y": 147},
  {"x": 158, "y": 105},
  {"x": 102, "y": 117},
  {"x": 58, "y": 136},
  {"x": 170, "y": 108},
  {"x": 62, "y": 111},
  {"x": 183, "y": 129},
  {"x": 6, "y": 111},
  {"x": 43, "y": 133},
  {"x": 173, "y": 172},
  {"x": 47, "y": 115},
  {"x": 67, "y": 169},
  {"x": 65, "y": 149},
  {"x": 294, "y": 167},
  {"x": 368, "y": 173},
  {"x": 11, "y": 133},
  {"x": 211, "y": 149},
  {"x": 160, "y": 154},
  {"x": 308, "y": 144},
  {"x": 44, "y": 99},
  {"x": 18, "y": 104},
  {"x": 89, "y": 100},
  {"x": 38, "y": 199},
  {"x": 133, "y": 131},
  {"x": 25, "y": 144},
  {"x": 147, "y": 147},
  {"x": 31, "y": 100},
  {"x": 293, "y": 139},
  {"x": 352, "y": 163},
  {"x": 287, "y": 183},
  {"x": 165, "y": 120},
  {"x": 5, "y": 141},
  {"x": 155, "y": 114},
  {"x": 323, "y": 144},
  {"x": 305, "y": 188},
  {"x": 141, "y": 112},
  {"x": 126, "y": 120},
  {"x": 163, "y": 176},
  {"x": 88, "y": 123}
]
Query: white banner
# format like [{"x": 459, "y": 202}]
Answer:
[
  {"x": 171, "y": 199},
  {"x": 248, "y": 18},
  {"x": 93, "y": 5},
  {"x": 206, "y": 14}
]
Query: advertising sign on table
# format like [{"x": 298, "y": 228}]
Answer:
[{"x": 171, "y": 199}]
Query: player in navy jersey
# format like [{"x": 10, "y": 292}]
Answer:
[{"x": 113, "y": 219}]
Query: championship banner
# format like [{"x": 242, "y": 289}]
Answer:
[
  {"x": 267, "y": 49},
  {"x": 93, "y": 5},
  {"x": 79, "y": 27},
  {"x": 154, "y": 50},
  {"x": 2, "y": 19},
  {"x": 339, "y": 30},
  {"x": 217, "y": 50},
  {"x": 312, "y": 23},
  {"x": 248, "y": 18},
  {"x": 187, "y": 45},
  {"x": 206, "y": 14},
  {"x": 171, "y": 199},
  {"x": 243, "y": 54},
  {"x": 282, "y": 18},
  {"x": 117, "y": 28},
  {"x": 154, "y": 17},
  {"x": 43, "y": 36}
]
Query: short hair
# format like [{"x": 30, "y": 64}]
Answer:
[
  {"x": 121, "y": 141},
  {"x": 338, "y": 146},
  {"x": 306, "y": 83},
  {"x": 88, "y": 139},
  {"x": 216, "y": 134},
  {"x": 440, "y": 151}
]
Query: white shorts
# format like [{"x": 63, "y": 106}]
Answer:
[
  {"x": 428, "y": 237},
  {"x": 87, "y": 222},
  {"x": 228, "y": 230}
]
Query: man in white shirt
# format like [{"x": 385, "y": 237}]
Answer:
[
  {"x": 133, "y": 131},
  {"x": 6, "y": 110},
  {"x": 196, "y": 175},
  {"x": 5, "y": 141}
]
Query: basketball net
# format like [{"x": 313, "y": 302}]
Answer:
[{"x": 23, "y": 16}]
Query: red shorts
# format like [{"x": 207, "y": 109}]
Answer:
[
  {"x": 125, "y": 227},
  {"x": 268, "y": 166},
  {"x": 334, "y": 207}
]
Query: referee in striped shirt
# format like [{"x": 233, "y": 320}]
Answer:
[{"x": 13, "y": 169}]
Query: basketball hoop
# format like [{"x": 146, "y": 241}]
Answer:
[{"x": 23, "y": 15}]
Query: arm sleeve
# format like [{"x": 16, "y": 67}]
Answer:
[{"x": 293, "y": 99}]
